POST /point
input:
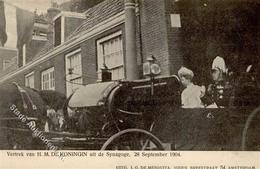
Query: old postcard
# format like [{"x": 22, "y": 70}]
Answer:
[{"x": 130, "y": 84}]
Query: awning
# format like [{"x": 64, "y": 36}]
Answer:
[{"x": 91, "y": 94}]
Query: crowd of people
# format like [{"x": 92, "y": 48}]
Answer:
[{"x": 55, "y": 120}]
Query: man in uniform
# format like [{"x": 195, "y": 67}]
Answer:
[{"x": 218, "y": 91}]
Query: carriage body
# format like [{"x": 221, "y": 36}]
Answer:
[
  {"x": 121, "y": 105},
  {"x": 135, "y": 105},
  {"x": 147, "y": 115},
  {"x": 113, "y": 107}
]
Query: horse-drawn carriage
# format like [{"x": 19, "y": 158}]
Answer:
[{"x": 141, "y": 115}]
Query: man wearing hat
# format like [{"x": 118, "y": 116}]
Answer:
[
  {"x": 191, "y": 95},
  {"x": 217, "y": 91},
  {"x": 218, "y": 69}
]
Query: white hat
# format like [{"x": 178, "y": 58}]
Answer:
[
  {"x": 185, "y": 71},
  {"x": 219, "y": 63}
]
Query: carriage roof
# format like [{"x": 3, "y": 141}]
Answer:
[
  {"x": 97, "y": 94},
  {"x": 91, "y": 95}
]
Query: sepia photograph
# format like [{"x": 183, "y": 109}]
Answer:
[{"x": 131, "y": 75}]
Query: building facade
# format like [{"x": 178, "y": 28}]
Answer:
[{"x": 122, "y": 34}]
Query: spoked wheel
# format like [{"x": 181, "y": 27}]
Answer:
[
  {"x": 133, "y": 139},
  {"x": 250, "y": 136}
]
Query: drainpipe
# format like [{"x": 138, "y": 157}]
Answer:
[{"x": 130, "y": 41}]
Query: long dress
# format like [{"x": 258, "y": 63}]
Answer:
[{"x": 191, "y": 96}]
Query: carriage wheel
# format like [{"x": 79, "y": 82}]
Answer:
[
  {"x": 108, "y": 129},
  {"x": 133, "y": 139},
  {"x": 250, "y": 137}
]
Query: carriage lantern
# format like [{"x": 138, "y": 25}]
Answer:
[{"x": 151, "y": 69}]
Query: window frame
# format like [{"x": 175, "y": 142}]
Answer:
[
  {"x": 100, "y": 50},
  {"x": 70, "y": 85},
  {"x": 61, "y": 31},
  {"x": 31, "y": 74},
  {"x": 50, "y": 85}
]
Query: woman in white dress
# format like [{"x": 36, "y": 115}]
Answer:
[{"x": 192, "y": 94}]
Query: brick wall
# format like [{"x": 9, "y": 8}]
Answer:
[
  {"x": 154, "y": 32},
  {"x": 89, "y": 64},
  {"x": 89, "y": 55},
  {"x": 159, "y": 37},
  {"x": 173, "y": 38},
  {"x": 154, "y": 41},
  {"x": 57, "y": 62}
]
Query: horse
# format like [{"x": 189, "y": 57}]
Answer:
[{"x": 19, "y": 106}]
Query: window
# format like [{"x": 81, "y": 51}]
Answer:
[
  {"x": 73, "y": 65},
  {"x": 39, "y": 35},
  {"x": 29, "y": 80},
  {"x": 43, "y": 34},
  {"x": 175, "y": 20},
  {"x": 48, "y": 79},
  {"x": 57, "y": 31},
  {"x": 110, "y": 53}
]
